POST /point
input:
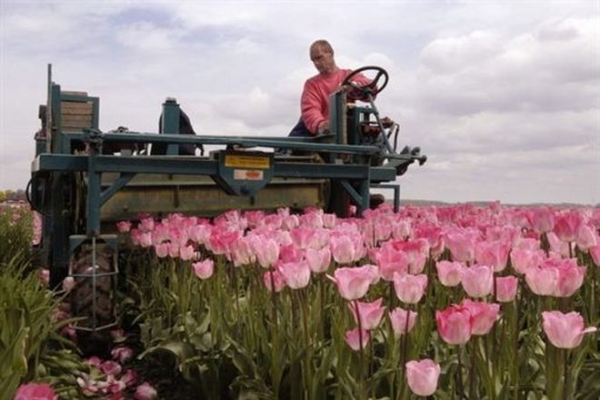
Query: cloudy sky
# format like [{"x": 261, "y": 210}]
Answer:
[{"x": 503, "y": 96}]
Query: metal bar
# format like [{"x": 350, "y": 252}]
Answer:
[
  {"x": 115, "y": 187},
  {"x": 242, "y": 141},
  {"x": 193, "y": 166}
]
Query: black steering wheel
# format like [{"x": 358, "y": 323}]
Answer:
[{"x": 371, "y": 88}]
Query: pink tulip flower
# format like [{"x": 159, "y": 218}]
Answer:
[
  {"x": 318, "y": 260},
  {"x": 493, "y": 253},
  {"x": 356, "y": 339},
  {"x": 422, "y": 376},
  {"x": 68, "y": 283},
  {"x": 483, "y": 315},
  {"x": 121, "y": 353},
  {"x": 477, "y": 281},
  {"x": 523, "y": 259},
  {"x": 295, "y": 274},
  {"x": 370, "y": 313},
  {"x": 506, "y": 288},
  {"x": 344, "y": 249},
  {"x": 290, "y": 253},
  {"x": 187, "y": 252},
  {"x": 204, "y": 269},
  {"x": 353, "y": 283},
  {"x": 454, "y": 324},
  {"x": 542, "y": 281},
  {"x": 570, "y": 276},
  {"x": 403, "y": 321},
  {"x": 410, "y": 288},
  {"x": 559, "y": 246},
  {"x": 162, "y": 249},
  {"x": 541, "y": 219},
  {"x": 124, "y": 226},
  {"x": 449, "y": 272},
  {"x": 564, "y": 331},
  {"x": 586, "y": 238},
  {"x": 274, "y": 281},
  {"x": 35, "y": 391},
  {"x": 390, "y": 261},
  {"x": 267, "y": 252},
  {"x": 567, "y": 225},
  {"x": 462, "y": 244},
  {"x": 145, "y": 391}
]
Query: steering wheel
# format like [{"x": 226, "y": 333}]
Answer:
[{"x": 372, "y": 87}]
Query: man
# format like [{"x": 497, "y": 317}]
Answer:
[{"x": 314, "y": 102}]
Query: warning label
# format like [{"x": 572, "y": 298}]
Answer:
[
  {"x": 248, "y": 174},
  {"x": 246, "y": 161}
]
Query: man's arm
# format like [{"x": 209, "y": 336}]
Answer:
[{"x": 312, "y": 107}]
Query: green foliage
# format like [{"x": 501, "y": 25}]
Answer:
[
  {"x": 30, "y": 345},
  {"x": 16, "y": 232}
]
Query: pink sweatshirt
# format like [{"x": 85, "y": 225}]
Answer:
[{"x": 315, "y": 96}]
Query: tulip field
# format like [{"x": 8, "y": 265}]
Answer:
[{"x": 440, "y": 302}]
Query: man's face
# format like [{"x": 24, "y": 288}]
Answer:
[{"x": 322, "y": 60}]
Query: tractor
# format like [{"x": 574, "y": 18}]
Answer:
[{"x": 83, "y": 180}]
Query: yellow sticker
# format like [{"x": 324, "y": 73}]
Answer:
[{"x": 244, "y": 161}]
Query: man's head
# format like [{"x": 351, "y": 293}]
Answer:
[{"x": 321, "y": 54}]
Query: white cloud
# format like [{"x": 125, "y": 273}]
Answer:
[{"x": 502, "y": 97}]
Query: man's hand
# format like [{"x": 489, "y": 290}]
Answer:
[{"x": 323, "y": 128}]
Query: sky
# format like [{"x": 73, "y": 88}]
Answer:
[{"x": 502, "y": 96}]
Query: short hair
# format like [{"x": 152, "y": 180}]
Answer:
[{"x": 324, "y": 44}]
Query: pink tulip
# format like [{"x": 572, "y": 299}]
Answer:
[
  {"x": 356, "y": 339},
  {"x": 483, "y": 315},
  {"x": 344, "y": 249},
  {"x": 353, "y": 283},
  {"x": 35, "y": 391},
  {"x": 204, "y": 269},
  {"x": 318, "y": 260},
  {"x": 567, "y": 225},
  {"x": 506, "y": 288},
  {"x": 295, "y": 274},
  {"x": 523, "y": 259},
  {"x": 121, "y": 353},
  {"x": 403, "y": 321},
  {"x": 145, "y": 392},
  {"x": 542, "y": 281},
  {"x": 541, "y": 219},
  {"x": 162, "y": 249},
  {"x": 402, "y": 229},
  {"x": 559, "y": 246},
  {"x": 454, "y": 324},
  {"x": 493, "y": 253},
  {"x": 370, "y": 313},
  {"x": 570, "y": 276},
  {"x": 416, "y": 251},
  {"x": 449, "y": 272},
  {"x": 267, "y": 252},
  {"x": 124, "y": 226},
  {"x": 274, "y": 281},
  {"x": 433, "y": 235},
  {"x": 477, "y": 281},
  {"x": 586, "y": 238},
  {"x": 68, "y": 283},
  {"x": 422, "y": 376},
  {"x": 390, "y": 261},
  {"x": 564, "y": 331},
  {"x": 290, "y": 253},
  {"x": 44, "y": 276},
  {"x": 186, "y": 253},
  {"x": 410, "y": 288},
  {"x": 462, "y": 244}
]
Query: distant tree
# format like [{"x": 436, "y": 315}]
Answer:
[{"x": 2, "y": 196}]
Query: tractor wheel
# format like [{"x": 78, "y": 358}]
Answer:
[{"x": 92, "y": 297}]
